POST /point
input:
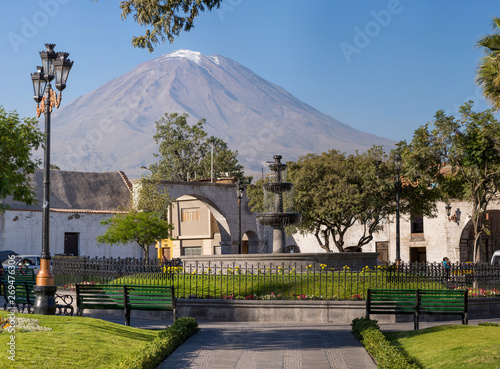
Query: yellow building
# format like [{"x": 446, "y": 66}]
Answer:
[{"x": 196, "y": 232}]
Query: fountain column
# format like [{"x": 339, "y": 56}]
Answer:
[
  {"x": 278, "y": 232},
  {"x": 278, "y": 219}
]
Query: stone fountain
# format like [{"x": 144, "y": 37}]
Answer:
[{"x": 277, "y": 218}]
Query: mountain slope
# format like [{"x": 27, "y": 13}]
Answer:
[{"x": 112, "y": 127}]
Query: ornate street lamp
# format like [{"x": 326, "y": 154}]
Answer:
[
  {"x": 239, "y": 194},
  {"x": 54, "y": 65},
  {"x": 398, "y": 162}
]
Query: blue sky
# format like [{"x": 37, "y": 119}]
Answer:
[{"x": 383, "y": 67}]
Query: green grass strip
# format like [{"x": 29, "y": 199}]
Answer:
[{"x": 451, "y": 346}]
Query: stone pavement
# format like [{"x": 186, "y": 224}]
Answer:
[
  {"x": 270, "y": 345},
  {"x": 245, "y": 345}
]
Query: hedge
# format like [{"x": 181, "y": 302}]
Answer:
[
  {"x": 153, "y": 353},
  {"x": 368, "y": 333}
]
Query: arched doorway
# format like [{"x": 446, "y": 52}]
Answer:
[
  {"x": 249, "y": 243},
  {"x": 490, "y": 240}
]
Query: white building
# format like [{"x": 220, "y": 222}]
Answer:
[
  {"x": 425, "y": 239},
  {"x": 78, "y": 202}
]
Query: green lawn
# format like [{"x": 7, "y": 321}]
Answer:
[
  {"x": 324, "y": 286},
  {"x": 451, "y": 346},
  {"x": 74, "y": 342}
]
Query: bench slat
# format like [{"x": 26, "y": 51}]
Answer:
[
  {"x": 380, "y": 301},
  {"x": 126, "y": 297}
]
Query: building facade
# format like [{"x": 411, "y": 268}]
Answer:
[
  {"x": 424, "y": 239},
  {"x": 79, "y": 201}
]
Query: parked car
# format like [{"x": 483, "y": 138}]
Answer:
[
  {"x": 4, "y": 255},
  {"x": 495, "y": 259},
  {"x": 24, "y": 261}
]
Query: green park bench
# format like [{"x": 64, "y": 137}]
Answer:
[
  {"x": 17, "y": 288},
  {"x": 18, "y": 292},
  {"x": 417, "y": 302},
  {"x": 126, "y": 298}
]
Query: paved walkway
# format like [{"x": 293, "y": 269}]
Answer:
[
  {"x": 247, "y": 345},
  {"x": 261, "y": 345}
]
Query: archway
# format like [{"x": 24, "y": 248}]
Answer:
[
  {"x": 249, "y": 243},
  {"x": 490, "y": 241},
  {"x": 200, "y": 228}
]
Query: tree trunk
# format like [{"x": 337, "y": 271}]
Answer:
[{"x": 325, "y": 246}]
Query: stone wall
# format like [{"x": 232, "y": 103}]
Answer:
[{"x": 334, "y": 312}]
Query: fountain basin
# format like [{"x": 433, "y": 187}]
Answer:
[
  {"x": 278, "y": 187},
  {"x": 279, "y": 219}
]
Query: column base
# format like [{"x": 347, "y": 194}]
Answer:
[{"x": 45, "y": 301}]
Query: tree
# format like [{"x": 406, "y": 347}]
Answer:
[
  {"x": 333, "y": 192},
  {"x": 18, "y": 140},
  {"x": 468, "y": 148},
  {"x": 166, "y": 18},
  {"x": 488, "y": 76},
  {"x": 145, "y": 223},
  {"x": 185, "y": 151},
  {"x": 151, "y": 198},
  {"x": 135, "y": 226}
]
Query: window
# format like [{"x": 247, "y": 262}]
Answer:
[
  {"x": 190, "y": 215},
  {"x": 417, "y": 223},
  {"x": 195, "y": 250}
]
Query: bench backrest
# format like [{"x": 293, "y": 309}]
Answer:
[
  {"x": 19, "y": 292},
  {"x": 404, "y": 301},
  {"x": 19, "y": 275},
  {"x": 447, "y": 301},
  {"x": 424, "y": 300},
  {"x": 150, "y": 297},
  {"x": 135, "y": 297},
  {"x": 100, "y": 296}
]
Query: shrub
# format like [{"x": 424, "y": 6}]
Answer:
[
  {"x": 374, "y": 341},
  {"x": 154, "y": 352},
  {"x": 488, "y": 324},
  {"x": 360, "y": 324}
]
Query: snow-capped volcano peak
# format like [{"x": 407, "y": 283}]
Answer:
[{"x": 194, "y": 56}]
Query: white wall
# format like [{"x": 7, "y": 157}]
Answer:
[{"x": 21, "y": 231}]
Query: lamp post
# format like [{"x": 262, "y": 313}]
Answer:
[
  {"x": 239, "y": 194},
  {"x": 54, "y": 65},
  {"x": 398, "y": 165}
]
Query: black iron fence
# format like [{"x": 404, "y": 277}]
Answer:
[
  {"x": 267, "y": 281},
  {"x": 69, "y": 270}
]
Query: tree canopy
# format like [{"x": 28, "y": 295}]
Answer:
[
  {"x": 163, "y": 19},
  {"x": 334, "y": 191},
  {"x": 135, "y": 226},
  {"x": 185, "y": 151},
  {"x": 461, "y": 157},
  {"x": 18, "y": 140},
  {"x": 152, "y": 198},
  {"x": 488, "y": 76}
]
